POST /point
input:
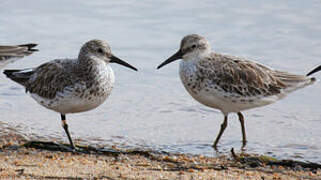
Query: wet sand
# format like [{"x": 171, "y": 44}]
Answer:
[{"x": 20, "y": 159}]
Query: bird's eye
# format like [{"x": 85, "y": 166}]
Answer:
[
  {"x": 194, "y": 46},
  {"x": 99, "y": 50}
]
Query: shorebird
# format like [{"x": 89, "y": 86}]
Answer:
[
  {"x": 228, "y": 83},
  {"x": 72, "y": 85},
  {"x": 9, "y": 54}
]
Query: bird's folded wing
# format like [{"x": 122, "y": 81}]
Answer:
[{"x": 246, "y": 78}]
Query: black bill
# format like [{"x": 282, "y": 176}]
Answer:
[
  {"x": 176, "y": 56},
  {"x": 114, "y": 59}
]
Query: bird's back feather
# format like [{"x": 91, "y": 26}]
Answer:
[{"x": 248, "y": 78}]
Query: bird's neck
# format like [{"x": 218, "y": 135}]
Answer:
[
  {"x": 91, "y": 65},
  {"x": 196, "y": 56},
  {"x": 90, "y": 61}
]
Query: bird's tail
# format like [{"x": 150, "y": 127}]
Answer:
[
  {"x": 29, "y": 46},
  {"x": 314, "y": 70},
  {"x": 19, "y": 76}
]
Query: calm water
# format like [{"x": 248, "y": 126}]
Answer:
[{"x": 150, "y": 108}]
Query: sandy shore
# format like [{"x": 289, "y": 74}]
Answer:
[{"x": 19, "y": 160}]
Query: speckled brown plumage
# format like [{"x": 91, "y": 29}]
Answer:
[
  {"x": 242, "y": 77},
  {"x": 228, "y": 83}
]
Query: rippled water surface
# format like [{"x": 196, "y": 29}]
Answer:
[{"x": 150, "y": 108}]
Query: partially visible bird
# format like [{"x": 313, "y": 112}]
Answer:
[
  {"x": 231, "y": 84},
  {"x": 9, "y": 54},
  {"x": 72, "y": 85}
]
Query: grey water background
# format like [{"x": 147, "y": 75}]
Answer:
[{"x": 150, "y": 108}]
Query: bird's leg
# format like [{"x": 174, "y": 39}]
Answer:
[
  {"x": 65, "y": 126},
  {"x": 223, "y": 126},
  {"x": 241, "y": 119}
]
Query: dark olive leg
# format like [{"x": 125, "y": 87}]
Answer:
[
  {"x": 65, "y": 126},
  {"x": 241, "y": 118},
  {"x": 223, "y": 126}
]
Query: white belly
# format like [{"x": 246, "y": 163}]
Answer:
[
  {"x": 217, "y": 100},
  {"x": 78, "y": 98}
]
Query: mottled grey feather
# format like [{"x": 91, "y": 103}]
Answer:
[{"x": 245, "y": 78}]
